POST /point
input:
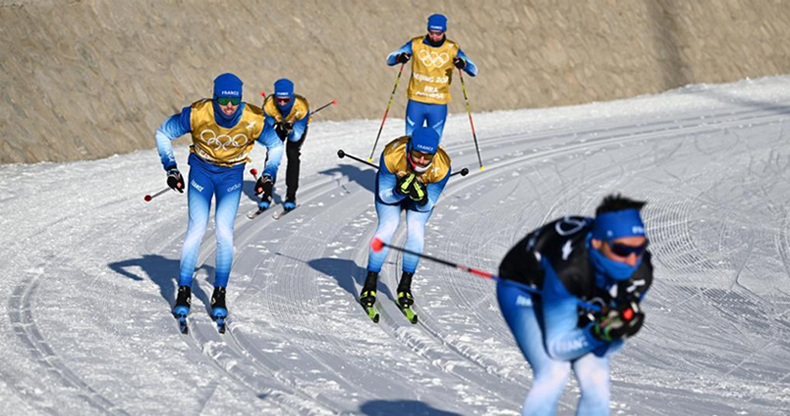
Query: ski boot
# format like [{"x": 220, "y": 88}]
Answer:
[
  {"x": 219, "y": 310},
  {"x": 267, "y": 185},
  {"x": 181, "y": 310},
  {"x": 368, "y": 296},
  {"x": 405, "y": 298},
  {"x": 289, "y": 204}
]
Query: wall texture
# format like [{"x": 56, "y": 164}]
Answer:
[{"x": 85, "y": 79}]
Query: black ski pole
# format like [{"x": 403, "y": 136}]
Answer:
[
  {"x": 462, "y": 172},
  {"x": 376, "y": 245},
  {"x": 341, "y": 154},
  {"x": 324, "y": 106},
  {"x": 472, "y": 123},
  {"x": 397, "y": 80},
  {"x": 149, "y": 197}
]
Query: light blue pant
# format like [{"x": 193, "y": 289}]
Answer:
[
  {"x": 550, "y": 376},
  {"x": 420, "y": 114},
  {"x": 274, "y": 152},
  {"x": 205, "y": 181},
  {"x": 389, "y": 218}
]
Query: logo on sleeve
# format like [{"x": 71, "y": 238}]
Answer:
[{"x": 566, "y": 250}]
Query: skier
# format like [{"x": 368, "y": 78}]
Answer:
[
  {"x": 287, "y": 116},
  {"x": 602, "y": 261},
  {"x": 431, "y": 74},
  {"x": 412, "y": 174},
  {"x": 224, "y": 130}
]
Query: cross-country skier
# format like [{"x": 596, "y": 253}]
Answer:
[
  {"x": 224, "y": 130},
  {"x": 287, "y": 116},
  {"x": 435, "y": 56},
  {"x": 603, "y": 261},
  {"x": 412, "y": 174}
]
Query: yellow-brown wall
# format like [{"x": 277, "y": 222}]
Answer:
[{"x": 87, "y": 79}]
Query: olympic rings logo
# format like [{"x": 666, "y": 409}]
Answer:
[
  {"x": 224, "y": 141},
  {"x": 434, "y": 59}
]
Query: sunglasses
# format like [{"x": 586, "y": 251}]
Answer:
[
  {"x": 416, "y": 154},
  {"x": 283, "y": 100},
  {"x": 624, "y": 250},
  {"x": 226, "y": 100}
]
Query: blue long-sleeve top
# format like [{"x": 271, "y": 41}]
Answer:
[
  {"x": 392, "y": 59},
  {"x": 563, "y": 339},
  {"x": 386, "y": 181}
]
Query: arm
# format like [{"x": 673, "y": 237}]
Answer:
[
  {"x": 392, "y": 58},
  {"x": 386, "y": 184},
  {"x": 434, "y": 191},
  {"x": 299, "y": 128},
  {"x": 563, "y": 339},
  {"x": 174, "y": 127},
  {"x": 470, "y": 68}
]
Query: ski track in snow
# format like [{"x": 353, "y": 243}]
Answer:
[{"x": 90, "y": 272}]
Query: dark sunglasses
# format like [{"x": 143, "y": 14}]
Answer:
[
  {"x": 416, "y": 154},
  {"x": 283, "y": 100},
  {"x": 226, "y": 100},
  {"x": 624, "y": 250}
]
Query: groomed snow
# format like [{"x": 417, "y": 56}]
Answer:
[{"x": 89, "y": 271}]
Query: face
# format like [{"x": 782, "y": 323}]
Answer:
[
  {"x": 435, "y": 35},
  {"x": 282, "y": 101},
  {"x": 228, "y": 105},
  {"x": 616, "y": 250},
  {"x": 421, "y": 159}
]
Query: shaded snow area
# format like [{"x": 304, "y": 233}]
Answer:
[{"x": 89, "y": 271}]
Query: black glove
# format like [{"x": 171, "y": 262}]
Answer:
[
  {"x": 418, "y": 193},
  {"x": 403, "y": 58},
  {"x": 623, "y": 321},
  {"x": 459, "y": 63},
  {"x": 174, "y": 179},
  {"x": 283, "y": 129},
  {"x": 404, "y": 184},
  {"x": 264, "y": 185}
]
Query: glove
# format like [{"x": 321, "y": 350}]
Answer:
[
  {"x": 174, "y": 179},
  {"x": 404, "y": 183},
  {"x": 459, "y": 63},
  {"x": 283, "y": 129},
  {"x": 403, "y": 58},
  {"x": 418, "y": 193},
  {"x": 623, "y": 321},
  {"x": 264, "y": 185}
]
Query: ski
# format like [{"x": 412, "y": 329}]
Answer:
[
  {"x": 373, "y": 314},
  {"x": 254, "y": 213},
  {"x": 279, "y": 214},
  {"x": 408, "y": 312},
  {"x": 182, "y": 324}
]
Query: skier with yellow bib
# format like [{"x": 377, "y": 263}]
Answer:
[{"x": 431, "y": 74}]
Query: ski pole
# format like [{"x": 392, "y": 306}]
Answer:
[
  {"x": 149, "y": 197},
  {"x": 376, "y": 245},
  {"x": 397, "y": 80},
  {"x": 462, "y": 172},
  {"x": 472, "y": 123},
  {"x": 325, "y": 106},
  {"x": 341, "y": 154}
]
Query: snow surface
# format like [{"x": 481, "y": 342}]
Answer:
[{"x": 89, "y": 271}]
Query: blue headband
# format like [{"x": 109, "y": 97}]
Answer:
[{"x": 618, "y": 224}]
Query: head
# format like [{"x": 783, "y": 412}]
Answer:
[
  {"x": 283, "y": 93},
  {"x": 437, "y": 25},
  {"x": 618, "y": 238},
  {"x": 422, "y": 147},
  {"x": 227, "y": 94}
]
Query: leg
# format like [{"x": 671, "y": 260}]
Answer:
[
  {"x": 416, "y": 115},
  {"x": 228, "y": 191},
  {"x": 436, "y": 116},
  {"x": 201, "y": 190},
  {"x": 274, "y": 155},
  {"x": 415, "y": 238},
  {"x": 389, "y": 217},
  {"x": 592, "y": 372},
  {"x": 549, "y": 376},
  {"x": 293, "y": 149}
]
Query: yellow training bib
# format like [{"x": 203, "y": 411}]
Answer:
[
  {"x": 299, "y": 110},
  {"x": 221, "y": 146},
  {"x": 431, "y": 71},
  {"x": 395, "y": 160}
]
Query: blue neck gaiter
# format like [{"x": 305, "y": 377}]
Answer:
[{"x": 608, "y": 272}]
